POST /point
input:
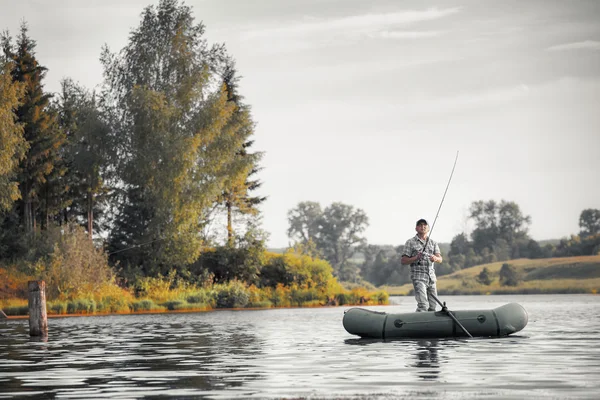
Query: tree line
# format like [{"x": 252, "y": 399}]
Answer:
[
  {"x": 146, "y": 165},
  {"x": 336, "y": 233}
]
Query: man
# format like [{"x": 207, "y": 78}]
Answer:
[{"x": 421, "y": 260}]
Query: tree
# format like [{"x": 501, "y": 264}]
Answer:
[
  {"x": 40, "y": 131},
  {"x": 484, "y": 277},
  {"x": 238, "y": 185},
  {"x": 589, "y": 222},
  {"x": 175, "y": 149},
  {"x": 87, "y": 154},
  {"x": 509, "y": 275},
  {"x": 337, "y": 232},
  {"x": 12, "y": 142},
  {"x": 340, "y": 233},
  {"x": 304, "y": 222},
  {"x": 494, "y": 221}
]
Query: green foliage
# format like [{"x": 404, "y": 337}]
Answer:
[
  {"x": 57, "y": 307},
  {"x": 589, "y": 222},
  {"x": 337, "y": 232},
  {"x": 174, "y": 305},
  {"x": 145, "y": 305},
  {"x": 301, "y": 271},
  {"x": 235, "y": 196},
  {"x": 179, "y": 138},
  {"x": 12, "y": 142},
  {"x": 75, "y": 266},
  {"x": 509, "y": 276},
  {"x": 226, "y": 263},
  {"x": 200, "y": 297},
  {"x": 382, "y": 265},
  {"x": 81, "y": 306},
  {"x": 231, "y": 295},
  {"x": 484, "y": 277},
  {"x": 578, "y": 246},
  {"x": 39, "y": 168},
  {"x": 88, "y": 153}
]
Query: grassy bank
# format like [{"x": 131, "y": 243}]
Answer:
[
  {"x": 163, "y": 298},
  {"x": 548, "y": 276}
]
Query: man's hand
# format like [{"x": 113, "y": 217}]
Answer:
[
  {"x": 419, "y": 256},
  {"x": 432, "y": 258}
]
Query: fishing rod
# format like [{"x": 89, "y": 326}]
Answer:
[
  {"x": 443, "y": 305},
  {"x": 442, "y": 202}
]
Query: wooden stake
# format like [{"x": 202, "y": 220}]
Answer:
[{"x": 38, "y": 320}]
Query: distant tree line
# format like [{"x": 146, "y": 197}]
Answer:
[
  {"x": 146, "y": 165},
  {"x": 500, "y": 234}
]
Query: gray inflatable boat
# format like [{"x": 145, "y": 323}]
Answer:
[{"x": 501, "y": 321}]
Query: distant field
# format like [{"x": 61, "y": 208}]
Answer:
[{"x": 548, "y": 275}]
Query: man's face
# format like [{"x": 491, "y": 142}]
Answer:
[{"x": 422, "y": 228}]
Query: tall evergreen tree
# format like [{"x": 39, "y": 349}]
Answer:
[
  {"x": 236, "y": 193},
  {"x": 12, "y": 143},
  {"x": 43, "y": 137},
  {"x": 87, "y": 154}
]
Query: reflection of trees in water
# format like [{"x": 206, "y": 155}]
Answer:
[
  {"x": 427, "y": 364},
  {"x": 151, "y": 353},
  {"x": 218, "y": 357}
]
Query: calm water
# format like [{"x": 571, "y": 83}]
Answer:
[{"x": 296, "y": 353}]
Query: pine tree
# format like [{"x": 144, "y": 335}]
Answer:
[
  {"x": 236, "y": 193},
  {"x": 87, "y": 154},
  {"x": 12, "y": 142},
  {"x": 39, "y": 128}
]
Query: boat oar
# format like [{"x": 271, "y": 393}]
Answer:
[{"x": 445, "y": 309}]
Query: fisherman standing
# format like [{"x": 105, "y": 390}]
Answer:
[{"x": 421, "y": 253}]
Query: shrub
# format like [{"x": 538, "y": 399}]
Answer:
[
  {"x": 174, "y": 305},
  {"x": 145, "y": 305},
  {"x": 75, "y": 266},
  {"x": 57, "y": 307},
  {"x": 81, "y": 306},
  {"x": 198, "y": 297},
  {"x": 231, "y": 295}
]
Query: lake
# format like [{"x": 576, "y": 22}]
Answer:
[{"x": 304, "y": 353}]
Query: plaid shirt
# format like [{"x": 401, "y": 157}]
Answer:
[{"x": 423, "y": 269}]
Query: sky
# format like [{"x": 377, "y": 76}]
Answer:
[{"x": 368, "y": 102}]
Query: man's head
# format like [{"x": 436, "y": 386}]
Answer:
[{"x": 422, "y": 227}]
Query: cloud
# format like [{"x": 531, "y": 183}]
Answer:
[
  {"x": 585, "y": 45},
  {"x": 405, "y": 34},
  {"x": 359, "y": 23}
]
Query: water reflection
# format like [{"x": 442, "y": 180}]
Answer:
[
  {"x": 121, "y": 354},
  {"x": 427, "y": 364}
]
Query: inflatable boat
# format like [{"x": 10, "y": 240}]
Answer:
[{"x": 501, "y": 321}]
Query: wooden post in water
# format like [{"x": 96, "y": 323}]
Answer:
[{"x": 38, "y": 320}]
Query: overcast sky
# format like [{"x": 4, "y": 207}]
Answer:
[{"x": 367, "y": 102}]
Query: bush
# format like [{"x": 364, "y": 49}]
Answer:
[
  {"x": 231, "y": 295},
  {"x": 199, "y": 297},
  {"x": 81, "y": 306},
  {"x": 174, "y": 305},
  {"x": 509, "y": 275},
  {"x": 57, "y": 307},
  {"x": 75, "y": 267},
  {"x": 145, "y": 305}
]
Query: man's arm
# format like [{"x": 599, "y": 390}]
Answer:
[{"x": 409, "y": 260}]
